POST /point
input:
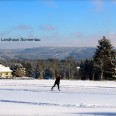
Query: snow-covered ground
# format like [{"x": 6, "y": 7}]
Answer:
[{"x": 76, "y": 98}]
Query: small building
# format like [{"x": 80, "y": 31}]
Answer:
[{"x": 5, "y": 72}]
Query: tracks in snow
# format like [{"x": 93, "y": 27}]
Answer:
[{"x": 53, "y": 104}]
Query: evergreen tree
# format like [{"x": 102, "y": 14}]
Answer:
[
  {"x": 86, "y": 70},
  {"x": 37, "y": 71},
  {"x": 104, "y": 60},
  {"x": 28, "y": 68}
]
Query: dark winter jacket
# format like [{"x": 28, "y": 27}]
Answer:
[{"x": 57, "y": 81}]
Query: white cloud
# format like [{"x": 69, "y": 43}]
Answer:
[
  {"x": 78, "y": 34},
  {"x": 91, "y": 40},
  {"x": 50, "y": 3},
  {"x": 98, "y": 5},
  {"x": 23, "y": 27},
  {"x": 47, "y": 27},
  {"x": 57, "y": 40},
  {"x": 114, "y": 1},
  {"x": 112, "y": 37}
]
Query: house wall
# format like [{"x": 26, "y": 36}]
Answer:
[{"x": 5, "y": 74}]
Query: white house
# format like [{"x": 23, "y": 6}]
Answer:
[{"x": 5, "y": 72}]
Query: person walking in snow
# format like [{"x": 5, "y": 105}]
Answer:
[{"x": 57, "y": 82}]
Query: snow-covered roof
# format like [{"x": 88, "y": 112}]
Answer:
[
  {"x": 78, "y": 67},
  {"x": 4, "y": 69}
]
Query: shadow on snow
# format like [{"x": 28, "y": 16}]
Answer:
[{"x": 96, "y": 114}]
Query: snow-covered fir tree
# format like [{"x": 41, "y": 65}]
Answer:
[{"x": 105, "y": 60}]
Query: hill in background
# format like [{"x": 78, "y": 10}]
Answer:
[{"x": 60, "y": 53}]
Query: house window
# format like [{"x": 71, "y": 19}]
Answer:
[{"x": 6, "y": 73}]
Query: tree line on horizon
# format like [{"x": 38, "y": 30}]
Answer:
[{"x": 101, "y": 67}]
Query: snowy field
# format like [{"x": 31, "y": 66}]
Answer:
[{"x": 76, "y": 98}]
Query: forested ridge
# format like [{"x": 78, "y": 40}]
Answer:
[{"x": 101, "y": 66}]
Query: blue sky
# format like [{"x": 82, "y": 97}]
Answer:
[{"x": 61, "y": 23}]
